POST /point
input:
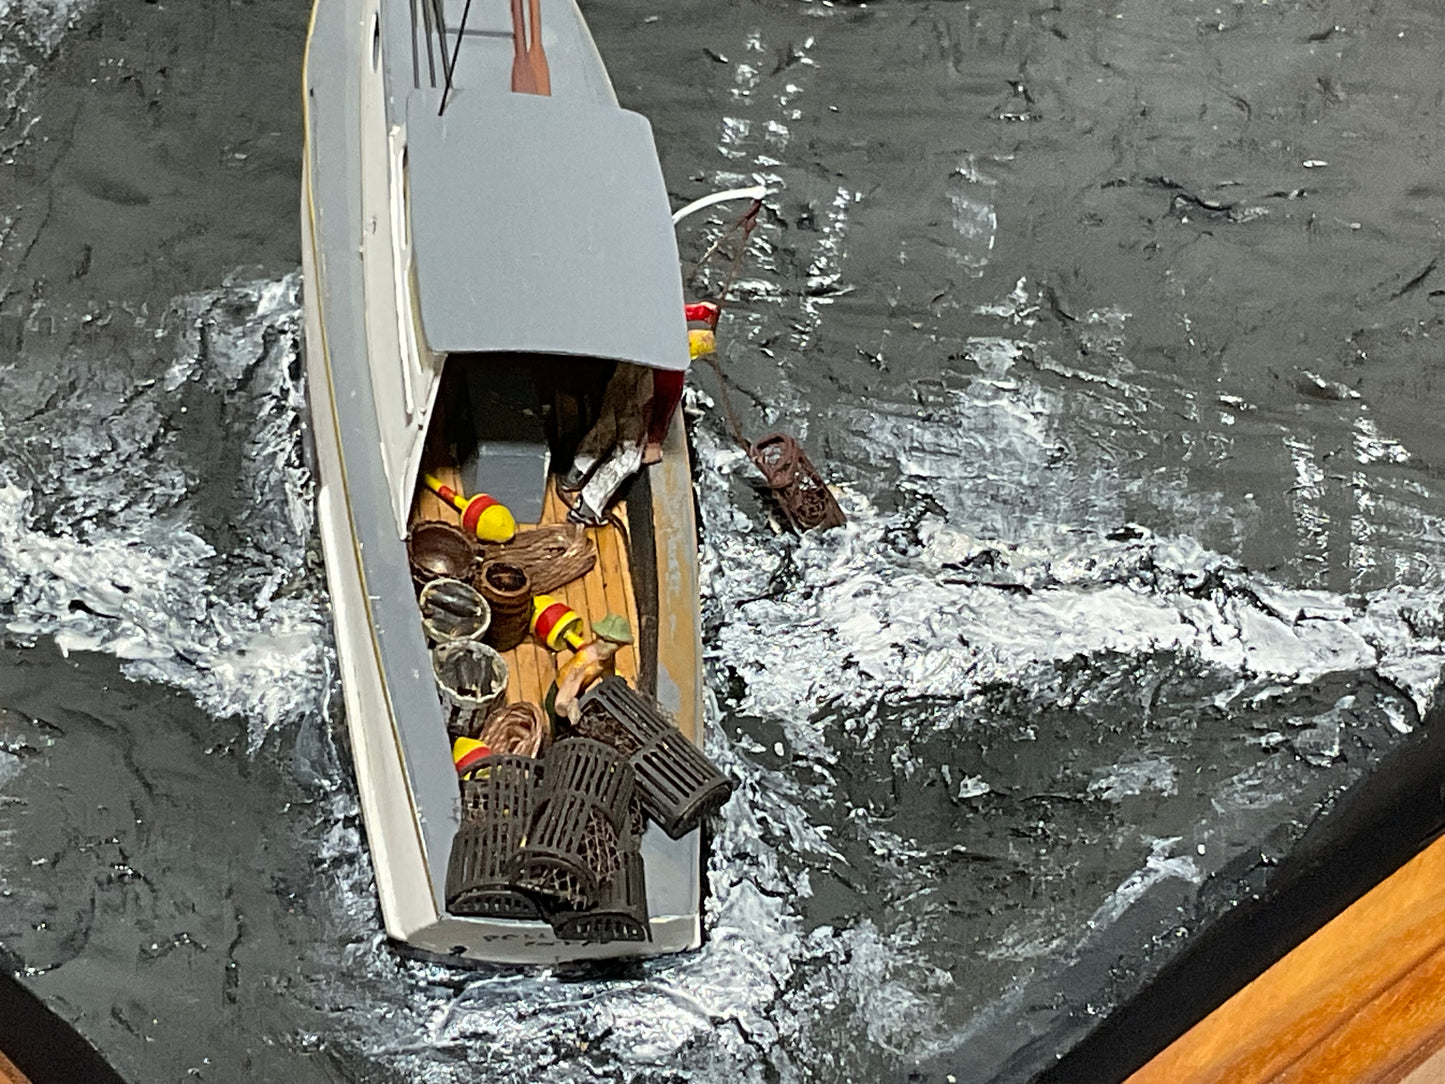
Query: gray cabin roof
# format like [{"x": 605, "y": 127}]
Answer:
[{"x": 542, "y": 225}]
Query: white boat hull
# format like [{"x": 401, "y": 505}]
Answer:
[{"x": 398, "y": 761}]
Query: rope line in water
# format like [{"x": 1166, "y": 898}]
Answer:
[{"x": 796, "y": 485}]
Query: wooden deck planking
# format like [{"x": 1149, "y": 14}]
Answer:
[
  {"x": 430, "y": 506},
  {"x": 607, "y": 588},
  {"x": 515, "y": 684},
  {"x": 602, "y": 590},
  {"x": 617, "y": 590},
  {"x": 594, "y": 600},
  {"x": 620, "y": 596},
  {"x": 537, "y": 669}
]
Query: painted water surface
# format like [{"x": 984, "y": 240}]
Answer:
[{"x": 1116, "y": 325}]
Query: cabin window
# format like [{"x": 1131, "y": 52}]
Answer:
[
  {"x": 405, "y": 203},
  {"x": 414, "y": 380}
]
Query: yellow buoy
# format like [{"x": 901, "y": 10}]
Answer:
[{"x": 482, "y": 515}]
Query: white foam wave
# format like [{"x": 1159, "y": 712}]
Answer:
[
  {"x": 30, "y": 32},
  {"x": 114, "y": 562},
  {"x": 813, "y": 635},
  {"x": 953, "y": 613},
  {"x": 44, "y": 20}
]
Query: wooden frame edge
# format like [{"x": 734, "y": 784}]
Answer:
[{"x": 1362, "y": 1000}]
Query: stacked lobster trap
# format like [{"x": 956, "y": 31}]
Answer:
[{"x": 559, "y": 837}]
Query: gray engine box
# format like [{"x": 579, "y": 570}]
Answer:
[{"x": 509, "y": 457}]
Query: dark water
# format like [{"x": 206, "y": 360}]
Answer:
[{"x": 1118, "y": 326}]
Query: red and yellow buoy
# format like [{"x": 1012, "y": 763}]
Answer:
[
  {"x": 701, "y": 328},
  {"x": 556, "y": 624},
  {"x": 484, "y": 516},
  {"x": 467, "y": 754},
  {"x": 701, "y": 342}
]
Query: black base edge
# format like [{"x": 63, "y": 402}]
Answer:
[{"x": 42, "y": 1045}]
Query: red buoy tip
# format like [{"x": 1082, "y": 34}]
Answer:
[{"x": 468, "y": 760}]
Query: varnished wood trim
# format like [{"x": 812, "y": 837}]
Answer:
[
  {"x": 1362, "y": 1001},
  {"x": 1430, "y": 1071},
  {"x": 9, "y": 1074},
  {"x": 643, "y": 553},
  {"x": 679, "y": 644}
]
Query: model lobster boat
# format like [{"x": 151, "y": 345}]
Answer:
[{"x": 496, "y": 337}]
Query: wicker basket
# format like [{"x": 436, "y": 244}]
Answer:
[{"x": 471, "y": 680}]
